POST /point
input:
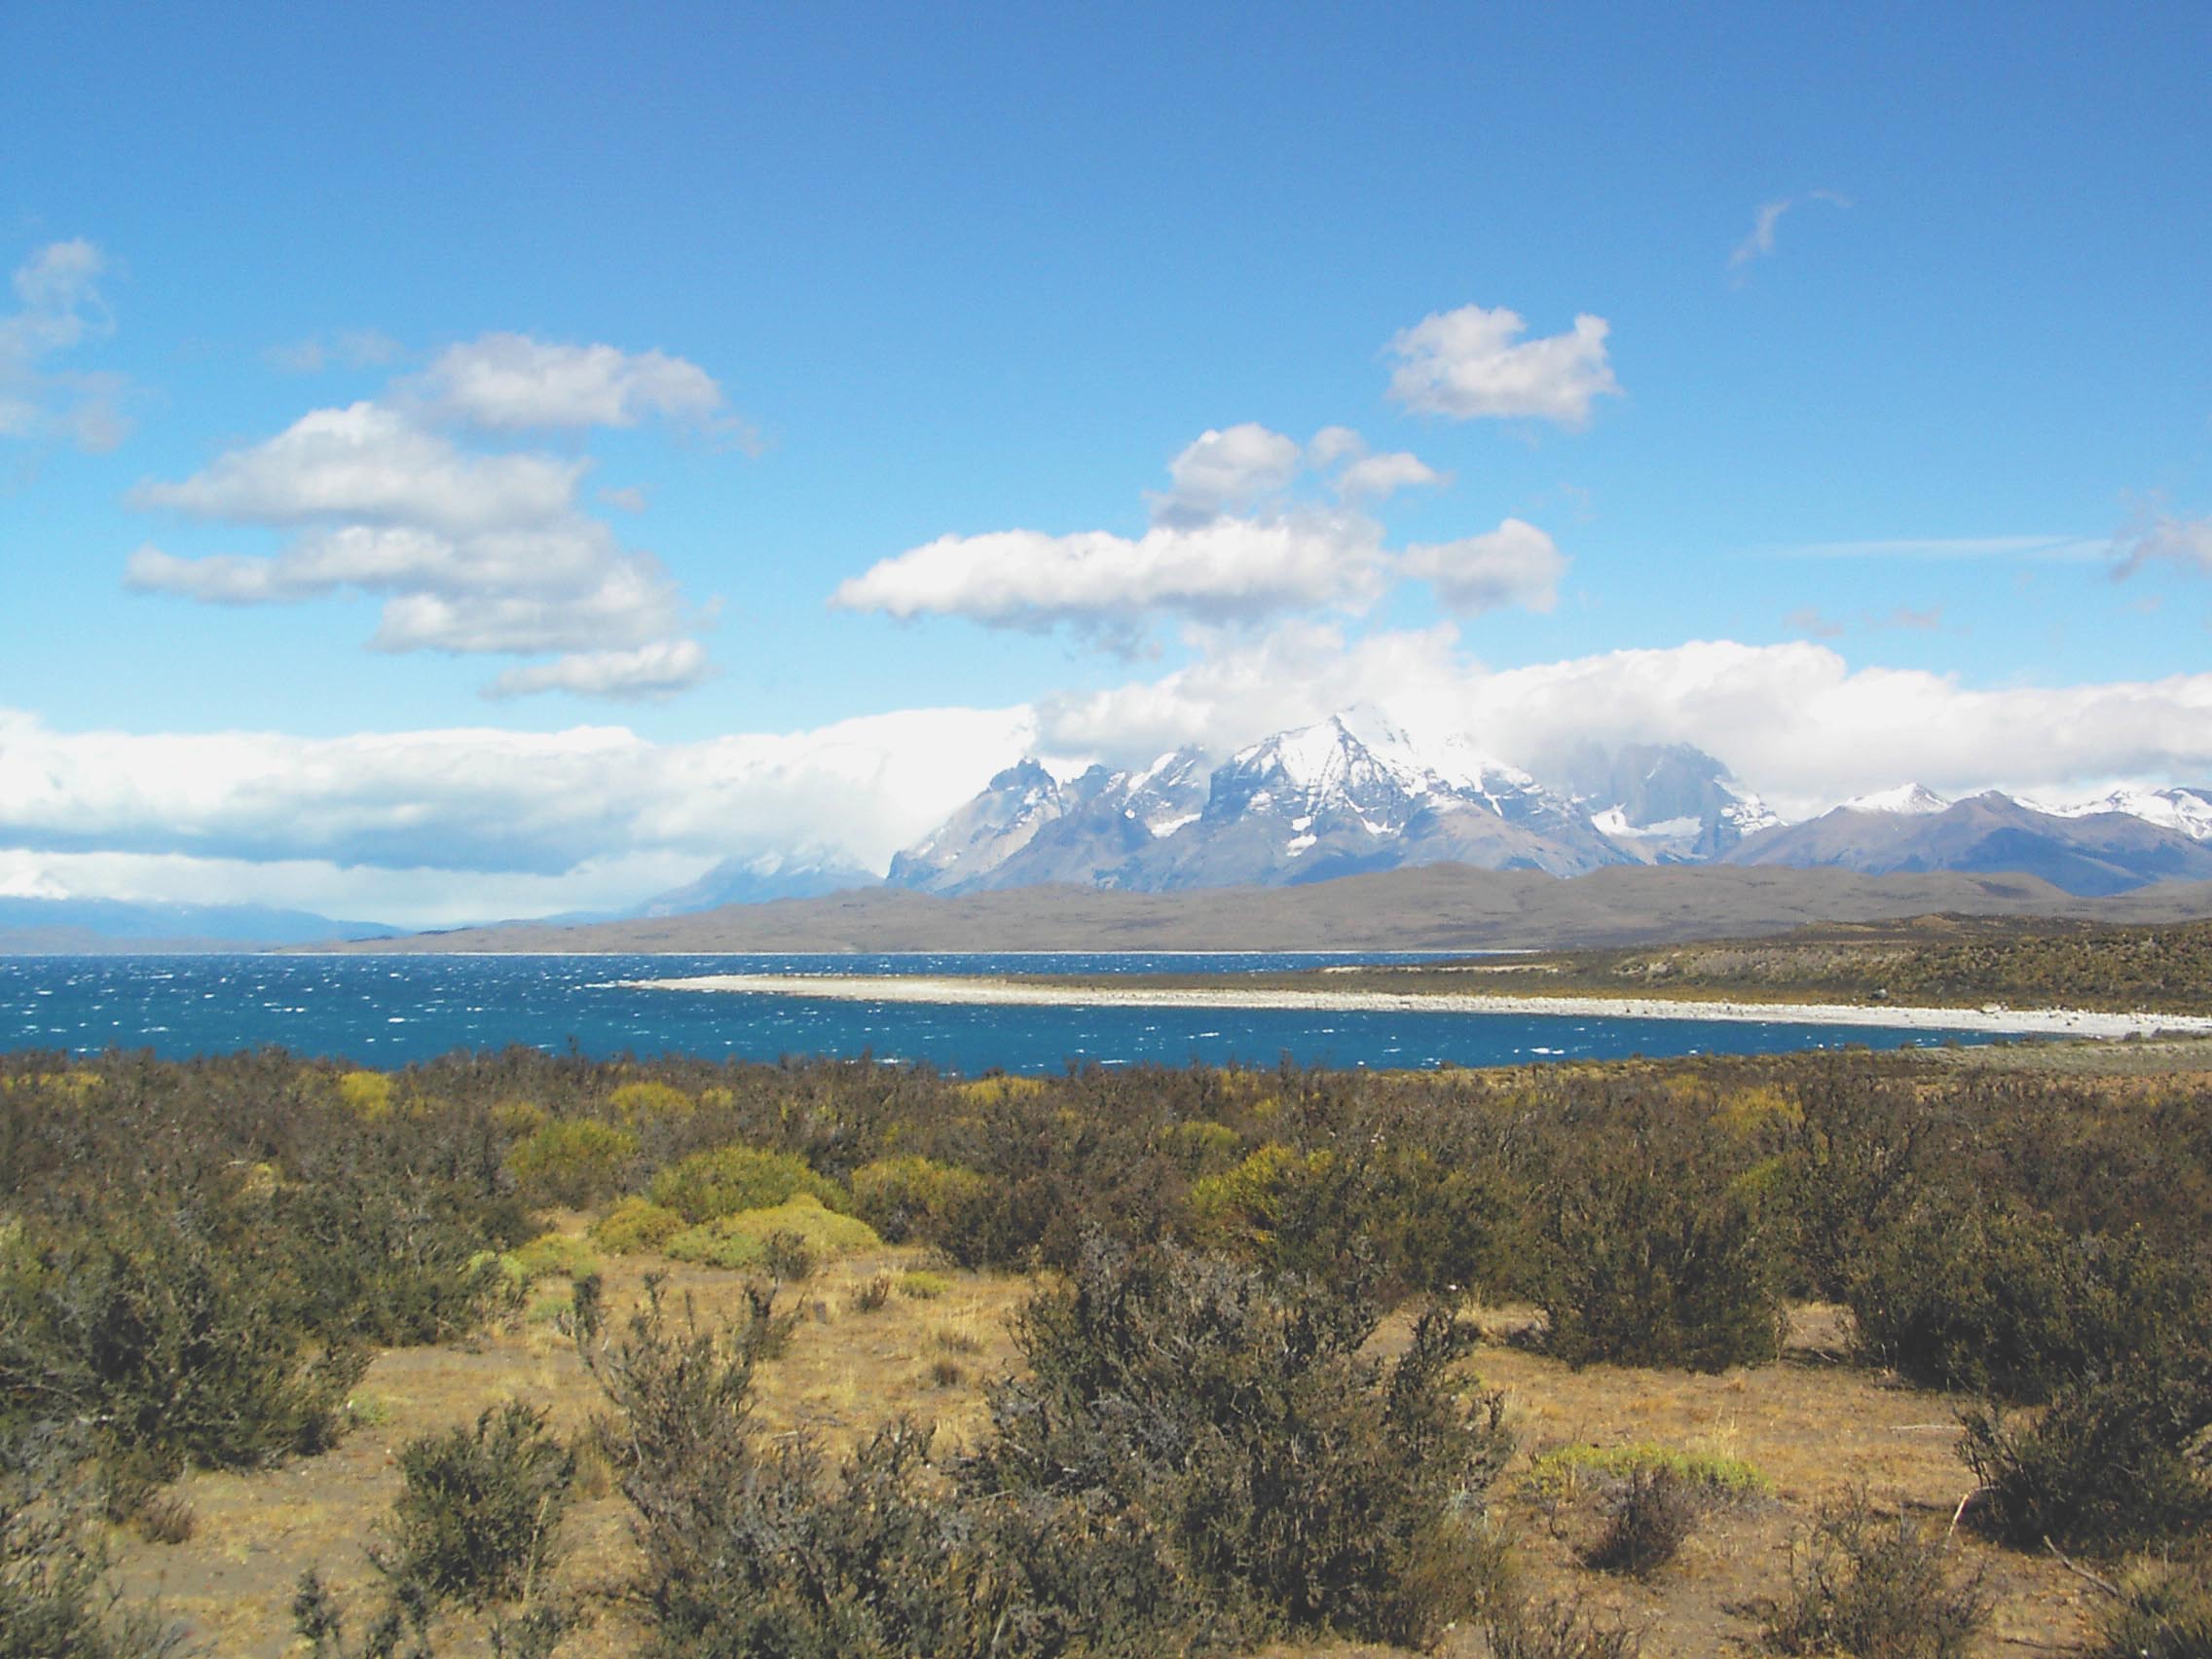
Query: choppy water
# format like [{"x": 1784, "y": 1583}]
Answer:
[{"x": 389, "y": 1010}]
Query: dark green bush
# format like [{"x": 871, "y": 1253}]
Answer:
[
  {"x": 2111, "y": 1463},
  {"x": 1991, "y": 1302},
  {"x": 478, "y": 1514},
  {"x": 919, "y": 1199},
  {"x": 1648, "y": 1517},
  {"x": 175, "y": 1349},
  {"x": 1232, "y": 1408},
  {"x": 1651, "y": 1252},
  {"x": 1878, "y": 1590}
]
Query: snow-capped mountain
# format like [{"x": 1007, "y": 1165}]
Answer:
[
  {"x": 759, "y": 878},
  {"x": 1301, "y": 806},
  {"x": 1899, "y": 830},
  {"x": 2188, "y": 811}
]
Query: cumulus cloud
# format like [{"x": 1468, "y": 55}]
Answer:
[
  {"x": 1515, "y": 564},
  {"x": 2169, "y": 540},
  {"x": 58, "y": 309},
  {"x": 1254, "y": 525},
  {"x": 470, "y": 552},
  {"x": 1768, "y": 219},
  {"x": 512, "y": 383},
  {"x": 466, "y": 800},
  {"x": 1472, "y": 362},
  {"x": 1223, "y": 570}
]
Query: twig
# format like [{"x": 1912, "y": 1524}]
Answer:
[
  {"x": 1958, "y": 1514},
  {"x": 2085, "y": 1574}
]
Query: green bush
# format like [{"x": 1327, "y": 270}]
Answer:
[
  {"x": 749, "y": 1238},
  {"x": 1650, "y": 1252},
  {"x": 912, "y": 1198},
  {"x": 1991, "y": 1302},
  {"x": 53, "y": 1566},
  {"x": 636, "y": 1224},
  {"x": 709, "y": 1185},
  {"x": 1646, "y": 1498},
  {"x": 174, "y": 1349},
  {"x": 550, "y": 1255},
  {"x": 2111, "y": 1463},
  {"x": 1864, "y": 1586},
  {"x": 477, "y": 1516},
  {"x": 1288, "y": 1474},
  {"x": 574, "y": 1162}
]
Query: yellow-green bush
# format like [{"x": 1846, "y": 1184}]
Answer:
[
  {"x": 742, "y": 1239},
  {"x": 1201, "y": 1145},
  {"x": 550, "y": 1255},
  {"x": 1241, "y": 1208},
  {"x": 917, "y": 1198},
  {"x": 733, "y": 1178},
  {"x": 634, "y": 1100},
  {"x": 367, "y": 1092},
  {"x": 923, "y": 1286},
  {"x": 636, "y": 1224},
  {"x": 573, "y": 1161}
]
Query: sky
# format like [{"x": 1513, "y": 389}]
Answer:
[{"x": 465, "y": 461}]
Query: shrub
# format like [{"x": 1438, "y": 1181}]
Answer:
[
  {"x": 174, "y": 1349},
  {"x": 53, "y": 1598},
  {"x": 1234, "y": 1409},
  {"x": 871, "y": 1296},
  {"x": 636, "y": 1224},
  {"x": 550, "y": 1255},
  {"x": 1555, "y": 1630},
  {"x": 477, "y": 1516},
  {"x": 574, "y": 1162},
  {"x": 1200, "y": 1146},
  {"x": 1991, "y": 1302},
  {"x": 1650, "y": 1253},
  {"x": 649, "y": 1100},
  {"x": 1647, "y": 1498},
  {"x": 709, "y": 1185},
  {"x": 1876, "y": 1590},
  {"x": 1648, "y": 1516},
  {"x": 917, "y": 1197},
  {"x": 1569, "y": 1469},
  {"x": 366, "y": 1092},
  {"x": 2106, "y": 1465},
  {"x": 922, "y": 1285},
  {"x": 2163, "y": 1611},
  {"x": 746, "y": 1239}
]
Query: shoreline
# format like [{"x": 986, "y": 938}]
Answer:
[{"x": 1004, "y": 993}]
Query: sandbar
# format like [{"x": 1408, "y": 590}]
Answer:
[{"x": 1009, "y": 993}]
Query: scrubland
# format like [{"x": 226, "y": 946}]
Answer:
[{"x": 531, "y": 1354}]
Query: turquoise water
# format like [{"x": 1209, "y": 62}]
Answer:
[{"x": 387, "y": 1011}]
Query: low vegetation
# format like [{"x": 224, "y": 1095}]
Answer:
[{"x": 1229, "y": 1389}]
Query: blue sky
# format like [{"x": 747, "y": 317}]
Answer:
[{"x": 1885, "y": 452}]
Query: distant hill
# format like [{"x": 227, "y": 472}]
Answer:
[
  {"x": 84, "y": 927},
  {"x": 1435, "y": 907}
]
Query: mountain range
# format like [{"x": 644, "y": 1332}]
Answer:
[{"x": 1354, "y": 796}]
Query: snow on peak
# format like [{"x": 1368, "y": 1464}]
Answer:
[
  {"x": 1908, "y": 800},
  {"x": 2188, "y": 811}
]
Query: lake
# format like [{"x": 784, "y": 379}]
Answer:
[{"x": 387, "y": 1011}]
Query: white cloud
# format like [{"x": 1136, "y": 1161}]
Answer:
[
  {"x": 1226, "y": 471},
  {"x": 1768, "y": 219},
  {"x": 501, "y": 802},
  {"x": 1796, "y": 722},
  {"x": 512, "y": 383},
  {"x": 1472, "y": 362},
  {"x": 1515, "y": 564},
  {"x": 1225, "y": 570},
  {"x": 654, "y": 670},
  {"x": 1237, "y": 537},
  {"x": 2175, "y": 540},
  {"x": 60, "y": 308},
  {"x": 470, "y": 552}
]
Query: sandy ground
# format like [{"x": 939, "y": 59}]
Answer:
[{"x": 1994, "y": 1017}]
